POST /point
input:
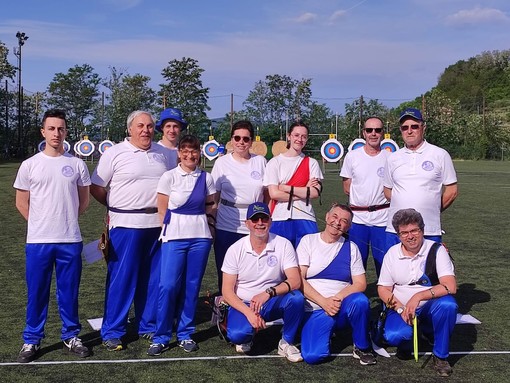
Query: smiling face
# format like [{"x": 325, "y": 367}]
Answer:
[
  {"x": 298, "y": 138},
  {"x": 241, "y": 142},
  {"x": 141, "y": 131},
  {"x": 338, "y": 221},
  {"x": 259, "y": 225},
  {"x": 411, "y": 237},
  {"x": 54, "y": 132},
  {"x": 171, "y": 131},
  {"x": 373, "y": 133}
]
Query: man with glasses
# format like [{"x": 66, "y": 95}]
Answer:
[
  {"x": 419, "y": 175},
  {"x": 363, "y": 172},
  {"x": 411, "y": 288},
  {"x": 261, "y": 283}
]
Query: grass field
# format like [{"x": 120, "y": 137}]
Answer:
[{"x": 476, "y": 233}]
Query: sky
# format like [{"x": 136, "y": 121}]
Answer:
[{"x": 393, "y": 50}]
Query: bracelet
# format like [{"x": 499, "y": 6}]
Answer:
[
  {"x": 447, "y": 289},
  {"x": 432, "y": 292},
  {"x": 308, "y": 196},
  {"x": 288, "y": 286}
]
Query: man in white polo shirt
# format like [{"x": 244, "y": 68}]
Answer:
[
  {"x": 261, "y": 283},
  {"x": 126, "y": 180},
  {"x": 420, "y": 176}
]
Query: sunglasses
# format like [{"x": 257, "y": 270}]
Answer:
[
  {"x": 405, "y": 128},
  {"x": 370, "y": 130},
  {"x": 257, "y": 218},
  {"x": 244, "y": 138}
]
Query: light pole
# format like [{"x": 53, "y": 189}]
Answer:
[{"x": 22, "y": 37}]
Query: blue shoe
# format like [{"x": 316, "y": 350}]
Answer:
[
  {"x": 157, "y": 348},
  {"x": 188, "y": 345}
]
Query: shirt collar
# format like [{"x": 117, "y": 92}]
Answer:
[
  {"x": 136, "y": 149},
  {"x": 270, "y": 245},
  {"x": 422, "y": 252},
  {"x": 420, "y": 150},
  {"x": 194, "y": 173}
]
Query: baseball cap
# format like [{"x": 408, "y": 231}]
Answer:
[
  {"x": 170, "y": 114},
  {"x": 257, "y": 208},
  {"x": 413, "y": 113}
]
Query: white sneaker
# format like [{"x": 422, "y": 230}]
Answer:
[
  {"x": 289, "y": 351},
  {"x": 244, "y": 348}
]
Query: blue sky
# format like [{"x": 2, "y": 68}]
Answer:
[{"x": 391, "y": 50}]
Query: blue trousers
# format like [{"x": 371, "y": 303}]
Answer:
[
  {"x": 133, "y": 275},
  {"x": 294, "y": 229},
  {"x": 40, "y": 260},
  {"x": 435, "y": 318},
  {"x": 222, "y": 241},
  {"x": 318, "y": 327},
  {"x": 393, "y": 239},
  {"x": 369, "y": 236},
  {"x": 290, "y": 307},
  {"x": 183, "y": 265}
]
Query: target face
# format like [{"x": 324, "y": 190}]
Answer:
[
  {"x": 77, "y": 149},
  {"x": 86, "y": 147},
  {"x": 332, "y": 150},
  {"x": 357, "y": 143},
  {"x": 104, "y": 145},
  {"x": 211, "y": 149},
  {"x": 389, "y": 145},
  {"x": 41, "y": 146},
  {"x": 67, "y": 146}
]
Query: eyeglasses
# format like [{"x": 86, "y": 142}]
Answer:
[
  {"x": 404, "y": 128},
  {"x": 189, "y": 152},
  {"x": 257, "y": 218},
  {"x": 405, "y": 234},
  {"x": 244, "y": 138},
  {"x": 370, "y": 130}
]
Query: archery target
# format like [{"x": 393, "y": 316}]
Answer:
[
  {"x": 77, "y": 149},
  {"x": 103, "y": 145},
  {"x": 389, "y": 145},
  {"x": 279, "y": 147},
  {"x": 357, "y": 143},
  {"x": 259, "y": 147},
  {"x": 332, "y": 150},
  {"x": 67, "y": 146},
  {"x": 41, "y": 146},
  {"x": 210, "y": 150},
  {"x": 86, "y": 147}
]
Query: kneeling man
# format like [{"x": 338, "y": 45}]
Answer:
[
  {"x": 261, "y": 283},
  {"x": 333, "y": 279}
]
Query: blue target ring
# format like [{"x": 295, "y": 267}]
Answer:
[
  {"x": 106, "y": 144},
  {"x": 211, "y": 150},
  {"x": 332, "y": 150},
  {"x": 41, "y": 146},
  {"x": 86, "y": 147},
  {"x": 389, "y": 145},
  {"x": 67, "y": 146},
  {"x": 357, "y": 143}
]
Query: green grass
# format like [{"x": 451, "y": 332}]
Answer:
[{"x": 476, "y": 233}]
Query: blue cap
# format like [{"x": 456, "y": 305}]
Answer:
[
  {"x": 257, "y": 208},
  {"x": 413, "y": 113},
  {"x": 170, "y": 114}
]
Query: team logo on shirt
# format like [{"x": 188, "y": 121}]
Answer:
[
  {"x": 256, "y": 175},
  {"x": 380, "y": 172},
  {"x": 158, "y": 157},
  {"x": 427, "y": 166},
  {"x": 272, "y": 261},
  {"x": 67, "y": 171}
]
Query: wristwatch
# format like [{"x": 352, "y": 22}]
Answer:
[
  {"x": 400, "y": 310},
  {"x": 271, "y": 291}
]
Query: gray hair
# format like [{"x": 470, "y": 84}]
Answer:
[
  {"x": 341, "y": 206},
  {"x": 137, "y": 113},
  {"x": 406, "y": 217}
]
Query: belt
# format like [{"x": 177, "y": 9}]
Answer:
[
  {"x": 370, "y": 208},
  {"x": 147, "y": 210},
  {"x": 232, "y": 204}
]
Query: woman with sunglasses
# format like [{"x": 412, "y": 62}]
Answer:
[
  {"x": 238, "y": 180},
  {"x": 293, "y": 180},
  {"x": 185, "y": 199}
]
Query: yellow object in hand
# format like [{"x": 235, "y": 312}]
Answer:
[{"x": 415, "y": 338}]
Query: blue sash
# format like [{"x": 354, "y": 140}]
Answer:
[
  {"x": 195, "y": 205},
  {"x": 340, "y": 267}
]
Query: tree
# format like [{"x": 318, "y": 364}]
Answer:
[
  {"x": 357, "y": 112},
  {"x": 6, "y": 69},
  {"x": 183, "y": 89},
  {"x": 126, "y": 94},
  {"x": 77, "y": 92}
]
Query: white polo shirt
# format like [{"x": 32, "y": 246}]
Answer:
[
  {"x": 178, "y": 185},
  {"x": 279, "y": 170},
  {"x": 416, "y": 178},
  {"x": 240, "y": 183},
  {"x": 366, "y": 173},
  {"x": 313, "y": 252},
  {"x": 54, "y": 201},
  {"x": 400, "y": 270},
  {"x": 131, "y": 176},
  {"x": 257, "y": 272}
]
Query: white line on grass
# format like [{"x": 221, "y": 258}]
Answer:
[{"x": 201, "y": 358}]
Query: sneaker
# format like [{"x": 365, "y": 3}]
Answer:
[
  {"x": 244, "y": 348},
  {"x": 113, "y": 344},
  {"x": 289, "y": 351},
  {"x": 403, "y": 354},
  {"x": 75, "y": 346},
  {"x": 442, "y": 367},
  {"x": 147, "y": 336},
  {"x": 157, "y": 348},
  {"x": 365, "y": 357},
  {"x": 28, "y": 352},
  {"x": 188, "y": 345}
]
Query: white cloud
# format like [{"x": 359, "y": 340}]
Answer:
[
  {"x": 337, "y": 15},
  {"x": 477, "y": 16},
  {"x": 306, "y": 18}
]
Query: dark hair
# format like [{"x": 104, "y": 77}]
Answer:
[
  {"x": 243, "y": 124},
  {"x": 341, "y": 206},
  {"x": 295, "y": 124},
  {"x": 56, "y": 113},
  {"x": 189, "y": 141},
  {"x": 406, "y": 217}
]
